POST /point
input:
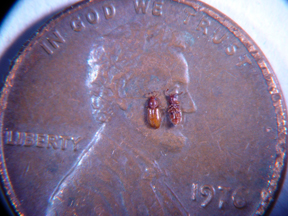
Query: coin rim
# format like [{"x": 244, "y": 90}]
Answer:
[{"x": 268, "y": 193}]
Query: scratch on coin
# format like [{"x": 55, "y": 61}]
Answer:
[
  {"x": 54, "y": 93},
  {"x": 249, "y": 168},
  {"x": 207, "y": 125},
  {"x": 240, "y": 157},
  {"x": 57, "y": 197},
  {"x": 247, "y": 145},
  {"x": 121, "y": 143},
  {"x": 96, "y": 137},
  {"x": 75, "y": 183},
  {"x": 200, "y": 73},
  {"x": 89, "y": 162},
  {"x": 154, "y": 191},
  {"x": 26, "y": 170},
  {"x": 230, "y": 74},
  {"x": 75, "y": 100},
  {"x": 219, "y": 129},
  {"x": 174, "y": 194},
  {"x": 36, "y": 104}
]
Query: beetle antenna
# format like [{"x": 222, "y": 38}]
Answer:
[
  {"x": 166, "y": 92},
  {"x": 153, "y": 93},
  {"x": 148, "y": 94}
]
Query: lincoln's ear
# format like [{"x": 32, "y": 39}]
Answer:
[{"x": 122, "y": 103}]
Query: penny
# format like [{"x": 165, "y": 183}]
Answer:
[{"x": 74, "y": 131}]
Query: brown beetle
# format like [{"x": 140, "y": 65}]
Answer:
[
  {"x": 153, "y": 110},
  {"x": 174, "y": 109}
]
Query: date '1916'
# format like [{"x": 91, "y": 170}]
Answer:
[{"x": 208, "y": 193}]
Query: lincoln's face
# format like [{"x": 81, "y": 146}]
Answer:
[
  {"x": 119, "y": 81},
  {"x": 158, "y": 71}
]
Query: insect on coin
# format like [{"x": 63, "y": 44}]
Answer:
[
  {"x": 153, "y": 110},
  {"x": 174, "y": 109}
]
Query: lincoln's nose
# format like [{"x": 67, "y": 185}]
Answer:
[{"x": 188, "y": 105}]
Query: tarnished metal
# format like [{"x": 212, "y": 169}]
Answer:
[{"x": 75, "y": 136}]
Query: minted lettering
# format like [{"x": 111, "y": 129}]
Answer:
[
  {"x": 40, "y": 140},
  {"x": 75, "y": 142},
  {"x": 46, "y": 48},
  {"x": 157, "y": 8},
  {"x": 238, "y": 197},
  {"x": 194, "y": 191},
  {"x": 224, "y": 196},
  {"x": 52, "y": 42},
  {"x": 19, "y": 138},
  {"x": 52, "y": 141},
  {"x": 92, "y": 16},
  {"x": 244, "y": 60},
  {"x": 64, "y": 141},
  {"x": 9, "y": 137},
  {"x": 29, "y": 139},
  {"x": 217, "y": 39},
  {"x": 204, "y": 24},
  {"x": 76, "y": 24},
  {"x": 207, "y": 191},
  {"x": 230, "y": 50},
  {"x": 14, "y": 138},
  {"x": 55, "y": 39},
  {"x": 186, "y": 20},
  {"x": 109, "y": 10},
  {"x": 141, "y": 5}
]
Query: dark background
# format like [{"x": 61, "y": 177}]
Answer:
[{"x": 4, "y": 8}]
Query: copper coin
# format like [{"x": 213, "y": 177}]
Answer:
[{"x": 75, "y": 135}]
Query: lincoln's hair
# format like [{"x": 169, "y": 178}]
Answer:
[{"x": 114, "y": 57}]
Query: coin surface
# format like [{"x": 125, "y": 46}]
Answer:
[{"x": 79, "y": 87}]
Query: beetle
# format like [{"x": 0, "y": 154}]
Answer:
[
  {"x": 153, "y": 110},
  {"x": 174, "y": 109}
]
